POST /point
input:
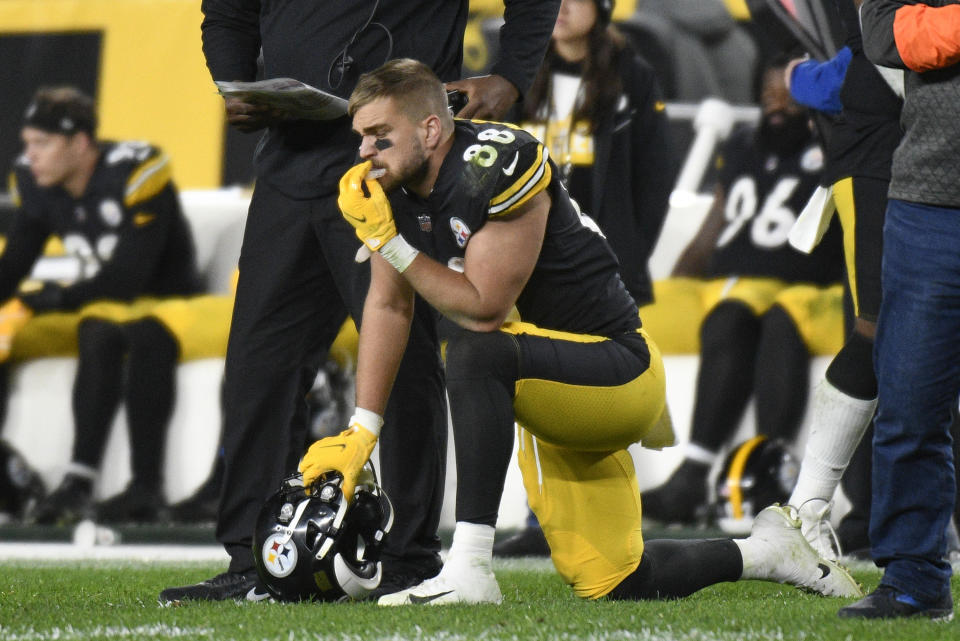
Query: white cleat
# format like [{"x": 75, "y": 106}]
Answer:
[
  {"x": 440, "y": 590},
  {"x": 782, "y": 554},
  {"x": 815, "y": 526}
]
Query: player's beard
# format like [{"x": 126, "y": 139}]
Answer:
[
  {"x": 788, "y": 135},
  {"x": 412, "y": 171}
]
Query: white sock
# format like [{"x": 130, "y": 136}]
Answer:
[
  {"x": 749, "y": 554},
  {"x": 472, "y": 549},
  {"x": 839, "y": 422}
]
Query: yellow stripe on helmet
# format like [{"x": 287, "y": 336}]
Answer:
[{"x": 735, "y": 475}]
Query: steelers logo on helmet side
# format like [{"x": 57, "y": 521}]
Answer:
[{"x": 279, "y": 555}]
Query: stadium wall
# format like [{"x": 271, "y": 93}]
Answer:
[{"x": 144, "y": 67}]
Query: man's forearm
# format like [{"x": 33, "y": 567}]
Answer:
[{"x": 383, "y": 340}]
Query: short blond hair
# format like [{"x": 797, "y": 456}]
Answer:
[{"x": 417, "y": 91}]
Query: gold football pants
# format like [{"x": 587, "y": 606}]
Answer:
[{"x": 579, "y": 477}]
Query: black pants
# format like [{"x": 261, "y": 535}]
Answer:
[
  {"x": 136, "y": 362},
  {"x": 298, "y": 282}
]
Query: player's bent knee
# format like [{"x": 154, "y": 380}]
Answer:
[
  {"x": 586, "y": 569},
  {"x": 481, "y": 355}
]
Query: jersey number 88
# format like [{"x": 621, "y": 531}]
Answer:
[{"x": 486, "y": 155}]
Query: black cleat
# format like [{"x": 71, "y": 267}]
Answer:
[
  {"x": 400, "y": 575},
  {"x": 70, "y": 503},
  {"x": 889, "y": 603},
  {"x": 136, "y": 504},
  {"x": 528, "y": 542},
  {"x": 228, "y": 585},
  {"x": 682, "y": 499}
]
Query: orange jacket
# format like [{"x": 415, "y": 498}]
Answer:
[{"x": 909, "y": 35}]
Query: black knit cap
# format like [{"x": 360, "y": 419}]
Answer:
[{"x": 61, "y": 110}]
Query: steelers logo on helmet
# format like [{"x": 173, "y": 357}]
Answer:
[
  {"x": 279, "y": 555},
  {"x": 755, "y": 474},
  {"x": 322, "y": 546}
]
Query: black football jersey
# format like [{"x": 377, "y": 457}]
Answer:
[
  {"x": 127, "y": 229},
  {"x": 490, "y": 171},
  {"x": 765, "y": 192}
]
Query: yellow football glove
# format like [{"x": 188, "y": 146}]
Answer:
[
  {"x": 346, "y": 453},
  {"x": 365, "y": 206},
  {"x": 13, "y": 316}
]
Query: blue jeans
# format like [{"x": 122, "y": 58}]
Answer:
[{"x": 917, "y": 356}]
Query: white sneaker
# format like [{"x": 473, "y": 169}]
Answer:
[
  {"x": 478, "y": 587},
  {"x": 815, "y": 526},
  {"x": 780, "y": 553}
]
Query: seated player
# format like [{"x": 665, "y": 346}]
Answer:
[
  {"x": 115, "y": 208},
  {"x": 479, "y": 225},
  {"x": 766, "y": 308}
]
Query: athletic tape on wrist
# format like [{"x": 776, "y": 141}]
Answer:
[
  {"x": 371, "y": 421},
  {"x": 399, "y": 253}
]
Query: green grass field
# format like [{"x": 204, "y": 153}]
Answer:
[{"x": 41, "y": 601}]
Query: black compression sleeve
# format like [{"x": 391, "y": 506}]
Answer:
[
  {"x": 673, "y": 569},
  {"x": 851, "y": 370},
  {"x": 482, "y": 369}
]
